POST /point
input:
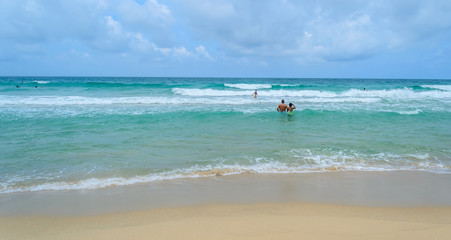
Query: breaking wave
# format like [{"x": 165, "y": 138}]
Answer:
[
  {"x": 248, "y": 86},
  {"x": 310, "y": 163},
  {"x": 405, "y": 93}
]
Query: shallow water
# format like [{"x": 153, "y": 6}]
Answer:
[{"x": 87, "y": 133}]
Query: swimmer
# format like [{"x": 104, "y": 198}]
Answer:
[
  {"x": 291, "y": 107},
  {"x": 282, "y": 107},
  {"x": 255, "y": 94}
]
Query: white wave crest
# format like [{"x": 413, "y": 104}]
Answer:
[
  {"x": 248, "y": 86},
  {"x": 209, "y": 92},
  {"x": 75, "y": 100},
  {"x": 311, "y": 163},
  {"x": 405, "y": 93},
  {"x": 80, "y": 100},
  {"x": 413, "y": 112},
  {"x": 267, "y": 93},
  {"x": 287, "y": 85},
  {"x": 340, "y": 100}
]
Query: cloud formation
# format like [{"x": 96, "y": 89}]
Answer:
[
  {"x": 316, "y": 30},
  {"x": 122, "y": 26},
  {"x": 225, "y": 32}
]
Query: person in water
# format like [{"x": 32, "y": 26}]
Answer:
[
  {"x": 255, "y": 94},
  {"x": 282, "y": 107},
  {"x": 291, "y": 107}
]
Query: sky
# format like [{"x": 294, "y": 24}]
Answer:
[{"x": 226, "y": 38}]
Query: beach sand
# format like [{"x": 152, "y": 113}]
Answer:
[
  {"x": 241, "y": 221},
  {"x": 360, "y": 205}
]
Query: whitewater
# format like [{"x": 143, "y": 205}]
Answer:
[{"x": 61, "y": 133}]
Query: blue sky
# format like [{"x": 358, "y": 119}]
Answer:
[{"x": 219, "y": 38}]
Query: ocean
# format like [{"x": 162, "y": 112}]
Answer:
[{"x": 62, "y": 133}]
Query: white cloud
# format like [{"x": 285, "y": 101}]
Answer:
[
  {"x": 181, "y": 52},
  {"x": 117, "y": 26},
  {"x": 203, "y": 52},
  {"x": 113, "y": 25},
  {"x": 233, "y": 31},
  {"x": 117, "y": 39},
  {"x": 323, "y": 29}
]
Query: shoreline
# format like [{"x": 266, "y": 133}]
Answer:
[
  {"x": 357, "y": 205},
  {"x": 371, "y": 189}
]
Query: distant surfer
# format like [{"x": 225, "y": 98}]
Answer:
[
  {"x": 255, "y": 94},
  {"x": 364, "y": 89},
  {"x": 290, "y": 108},
  {"x": 282, "y": 107}
]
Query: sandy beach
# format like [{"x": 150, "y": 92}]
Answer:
[
  {"x": 360, "y": 205},
  {"x": 157, "y": 119},
  {"x": 241, "y": 221}
]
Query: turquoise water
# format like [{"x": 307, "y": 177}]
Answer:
[{"x": 87, "y": 133}]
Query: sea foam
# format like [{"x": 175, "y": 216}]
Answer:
[
  {"x": 405, "y": 93},
  {"x": 130, "y": 131},
  {"x": 307, "y": 161},
  {"x": 41, "y": 82},
  {"x": 248, "y": 86}
]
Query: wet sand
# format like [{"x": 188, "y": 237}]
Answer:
[
  {"x": 358, "y": 205},
  {"x": 393, "y": 189}
]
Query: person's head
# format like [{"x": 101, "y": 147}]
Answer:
[
  {"x": 291, "y": 104},
  {"x": 283, "y": 101}
]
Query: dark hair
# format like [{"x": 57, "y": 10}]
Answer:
[
  {"x": 291, "y": 104},
  {"x": 283, "y": 101}
]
